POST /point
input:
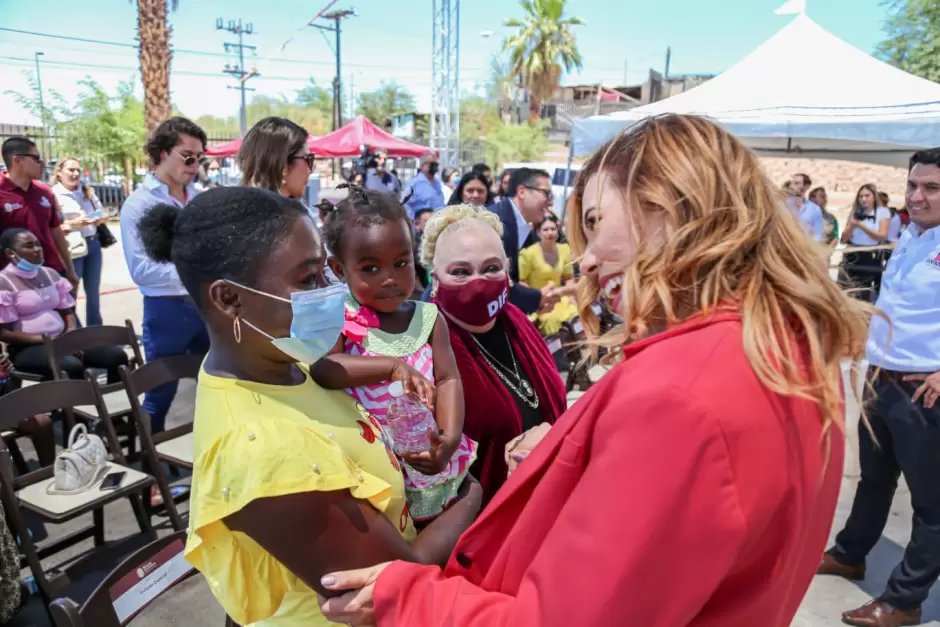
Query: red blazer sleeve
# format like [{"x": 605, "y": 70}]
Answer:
[{"x": 655, "y": 512}]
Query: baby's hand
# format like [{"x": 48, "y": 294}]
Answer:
[
  {"x": 413, "y": 382},
  {"x": 435, "y": 459}
]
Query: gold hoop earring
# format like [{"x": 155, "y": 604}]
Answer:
[{"x": 237, "y": 329}]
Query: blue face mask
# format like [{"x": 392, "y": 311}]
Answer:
[
  {"x": 214, "y": 176},
  {"x": 27, "y": 266},
  {"x": 318, "y": 320}
]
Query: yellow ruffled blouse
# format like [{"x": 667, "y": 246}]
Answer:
[{"x": 253, "y": 441}]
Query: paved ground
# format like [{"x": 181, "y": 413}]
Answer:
[{"x": 192, "y": 604}]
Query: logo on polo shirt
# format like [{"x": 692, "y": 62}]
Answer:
[
  {"x": 934, "y": 262},
  {"x": 10, "y": 207},
  {"x": 45, "y": 202}
]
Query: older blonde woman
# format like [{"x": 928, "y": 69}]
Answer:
[
  {"x": 695, "y": 484},
  {"x": 511, "y": 381}
]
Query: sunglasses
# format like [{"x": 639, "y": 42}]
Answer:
[
  {"x": 188, "y": 160},
  {"x": 37, "y": 158},
  {"x": 309, "y": 158}
]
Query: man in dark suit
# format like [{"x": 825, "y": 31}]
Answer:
[{"x": 521, "y": 211}]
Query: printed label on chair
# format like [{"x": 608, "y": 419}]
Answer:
[
  {"x": 135, "y": 590},
  {"x": 578, "y": 327},
  {"x": 554, "y": 346},
  {"x": 596, "y": 309}
]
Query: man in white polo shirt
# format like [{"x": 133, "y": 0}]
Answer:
[{"x": 904, "y": 413}]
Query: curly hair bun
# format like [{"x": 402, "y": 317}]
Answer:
[{"x": 157, "y": 228}]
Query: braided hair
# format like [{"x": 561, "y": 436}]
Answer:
[{"x": 362, "y": 207}]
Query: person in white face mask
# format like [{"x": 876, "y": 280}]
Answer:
[{"x": 290, "y": 480}]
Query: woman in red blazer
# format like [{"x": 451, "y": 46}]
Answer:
[{"x": 695, "y": 484}]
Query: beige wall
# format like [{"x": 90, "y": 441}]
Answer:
[{"x": 840, "y": 176}]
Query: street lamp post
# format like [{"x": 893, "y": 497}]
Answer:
[{"x": 42, "y": 107}]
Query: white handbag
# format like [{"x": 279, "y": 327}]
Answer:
[
  {"x": 79, "y": 466},
  {"x": 78, "y": 247}
]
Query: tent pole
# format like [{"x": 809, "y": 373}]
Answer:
[{"x": 564, "y": 197}]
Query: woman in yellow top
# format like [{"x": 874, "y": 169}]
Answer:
[
  {"x": 549, "y": 263},
  {"x": 290, "y": 481}
]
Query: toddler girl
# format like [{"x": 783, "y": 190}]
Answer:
[{"x": 390, "y": 338}]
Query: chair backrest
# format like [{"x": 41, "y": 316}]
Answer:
[
  {"x": 45, "y": 398},
  {"x": 132, "y": 586},
  {"x": 86, "y": 338},
  {"x": 158, "y": 372}
]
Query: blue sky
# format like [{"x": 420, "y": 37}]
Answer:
[{"x": 391, "y": 40}]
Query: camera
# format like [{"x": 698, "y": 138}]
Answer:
[
  {"x": 366, "y": 160},
  {"x": 860, "y": 214}
]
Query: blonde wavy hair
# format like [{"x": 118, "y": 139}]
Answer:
[
  {"x": 729, "y": 241},
  {"x": 56, "y": 176},
  {"x": 454, "y": 216}
]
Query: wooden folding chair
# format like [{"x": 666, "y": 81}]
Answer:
[
  {"x": 156, "y": 568},
  {"x": 174, "y": 446},
  {"x": 86, "y": 338},
  {"x": 29, "y": 491}
]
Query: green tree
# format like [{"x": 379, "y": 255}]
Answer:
[
  {"x": 478, "y": 117},
  {"x": 542, "y": 47},
  {"x": 389, "y": 100},
  {"x": 502, "y": 87},
  {"x": 516, "y": 142},
  {"x": 313, "y": 96},
  {"x": 913, "y": 42}
]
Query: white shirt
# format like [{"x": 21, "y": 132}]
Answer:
[
  {"x": 75, "y": 205},
  {"x": 910, "y": 297},
  {"x": 860, "y": 237},
  {"x": 523, "y": 228},
  {"x": 894, "y": 228},
  {"x": 153, "y": 278}
]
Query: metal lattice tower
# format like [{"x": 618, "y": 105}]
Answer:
[{"x": 445, "y": 77}]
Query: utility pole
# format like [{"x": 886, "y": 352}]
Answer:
[
  {"x": 352, "y": 96},
  {"x": 668, "y": 61},
  {"x": 42, "y": 109},
  {"x": 239, "y": 71},
  {"x": 337, "y": 17}
]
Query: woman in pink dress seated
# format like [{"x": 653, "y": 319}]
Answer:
[{"x": 35, "y": 301}]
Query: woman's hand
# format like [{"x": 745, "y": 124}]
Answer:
[
  {"x": 354, "y": 607},
  {"x": 929, "y": 389},
  {"x": 435, "y": 459},
  {"x": 519, "y": 447},
  {"x": 413, "y": 382}
]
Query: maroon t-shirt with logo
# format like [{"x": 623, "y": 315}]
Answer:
[{"x": 34, "y": 210}]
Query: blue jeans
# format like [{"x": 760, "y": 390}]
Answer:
[
  {"x": 172, "y": 326},
  {"x": 88, "y": 269}
]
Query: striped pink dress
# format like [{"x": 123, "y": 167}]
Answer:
[{"x": 428, "y": 495}]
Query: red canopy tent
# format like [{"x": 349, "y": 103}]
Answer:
[
  {"x": 348, "y": 142},
  {"x": 225, "y": 149}
]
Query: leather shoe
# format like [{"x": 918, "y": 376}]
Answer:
[
  {"x": 831, "y": 566},
  {"x": 877, "y": 613}
]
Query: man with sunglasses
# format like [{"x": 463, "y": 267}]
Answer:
[
  {"x": 171, "y": 325},
  {"x": 528, "y": 196},
  {"x": 27, "y": 203}
]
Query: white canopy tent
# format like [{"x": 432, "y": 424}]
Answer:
[{"x": 850, "y": 106}]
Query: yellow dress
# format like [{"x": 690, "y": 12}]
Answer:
[
  {"x": 535, "y": 272},
  {"x": 253, "y": 441}
]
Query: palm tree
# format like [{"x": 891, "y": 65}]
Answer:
[
  {"x": 153, "y": 33},
  {"x": 541, "y": 49}
]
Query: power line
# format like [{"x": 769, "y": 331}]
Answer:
[
  {"x": 25, "y": 62},
  {"x": 205, "y": 53}
]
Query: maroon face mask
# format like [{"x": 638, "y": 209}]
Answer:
[{"x": 474, "y": 303}]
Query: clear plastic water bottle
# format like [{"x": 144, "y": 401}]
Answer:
[{"x": 408, "y": 421}]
